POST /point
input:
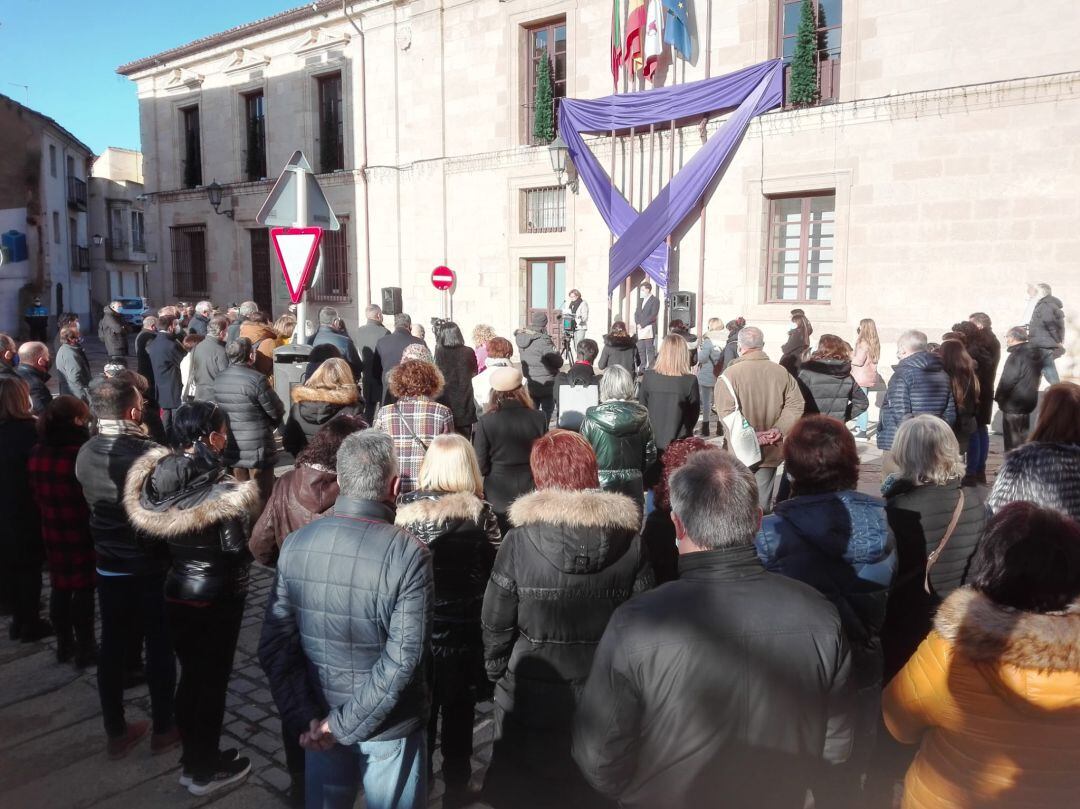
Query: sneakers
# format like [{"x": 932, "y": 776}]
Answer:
[
  {"x": 122, "y": 745},
  {"x": 187, "y": 776},
  {"x": 862, "y": 435},
  {"x": 164, "y": 742},
  {"x": 226, "y": 774}
]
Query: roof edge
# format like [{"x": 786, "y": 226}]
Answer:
[{"x": 51, "y": 122}]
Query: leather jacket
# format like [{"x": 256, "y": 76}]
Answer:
[{"x": 203, "y": 514}]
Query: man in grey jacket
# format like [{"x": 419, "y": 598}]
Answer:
[
  {"x": 72, "y": 366},
  {"x": 345, "y": 641},
  {"x": 208, "y": 358},
  {"x": 540, "y": 361}
]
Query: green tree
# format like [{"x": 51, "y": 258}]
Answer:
[
  {"x": 543, "y": 106},
  {"x": 803, "y": 89}
]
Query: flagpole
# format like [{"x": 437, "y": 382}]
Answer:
[{"x": 701, "y": 221}]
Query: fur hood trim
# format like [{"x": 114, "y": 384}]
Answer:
[
  {"x": 592, "y": 508},
  {"x": 339, "y": 396},
  {"x": 235, "y": 501},
  {"x": 456, "y": 506},
  {"x": 986, "y": 632}
]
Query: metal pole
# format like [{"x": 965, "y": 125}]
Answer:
[
  {"x": 701, "y": 222},
  {"x": 628, "y": 287},
  {"x": 301, "y": 222}
]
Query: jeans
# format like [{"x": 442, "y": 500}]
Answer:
[
  {"x": 1015, "y": 426},
  {"x": 1049, "y": 369},
  {"x": 394, "y": 774},
  {"x": 978, "y": 449},
  {"x": 205, "y": 641},
  {"x": 706, "y": 407},
  {"x": 647, "y": 350},
  {"x": 862, "y": 422},
  {"x": 765, "y": 477},
  {"x": 125, "y": 603}
]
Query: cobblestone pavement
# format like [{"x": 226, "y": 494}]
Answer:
[{"x": 52, "y": 744}]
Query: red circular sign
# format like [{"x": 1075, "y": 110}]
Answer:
[{"x": 442, "y": 278}]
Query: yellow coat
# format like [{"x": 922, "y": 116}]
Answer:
[{"x": 993, "y": 695}]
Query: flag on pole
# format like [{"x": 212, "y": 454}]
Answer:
[
  {"x": 654, "y": 37},
  {"x": 676, "y": 27},
  {"x": 635, "y": 28},
  {"x": 616, "y": 40}
]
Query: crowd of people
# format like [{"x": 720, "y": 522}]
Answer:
[{"x": 659, "y": 617}]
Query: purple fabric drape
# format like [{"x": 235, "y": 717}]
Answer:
[{"x": 641, "y": 237}]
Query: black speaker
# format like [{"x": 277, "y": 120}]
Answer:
[
  {"x": 391, "y": 300},
  {"x": 681, "y": 307}
]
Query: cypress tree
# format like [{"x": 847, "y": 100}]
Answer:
[
  {"x": 543, "y": 108},
  {"x": 803, "y": 89}
]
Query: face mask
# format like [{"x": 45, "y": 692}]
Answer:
[{"x": 14, "y": 360}]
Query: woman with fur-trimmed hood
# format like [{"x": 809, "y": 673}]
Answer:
[
  {"x": 448, "y": 515},
  {"x": 329, "y": 391},
  {"x": 993, "y": 694},
  {"x": 571, "y": 557},
  {"x": 186, "y": 498}
]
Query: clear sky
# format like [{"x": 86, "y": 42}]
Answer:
[{"x": 67, "y": 51}]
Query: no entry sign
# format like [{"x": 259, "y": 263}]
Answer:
[{"x": 442, "y": 278}]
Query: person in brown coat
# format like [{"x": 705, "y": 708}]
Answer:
[
  {"x": 263, "y": 338},
  {"x": 770, "y": 400}
]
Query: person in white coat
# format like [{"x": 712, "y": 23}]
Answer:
[{"x": 575, "y": 307}]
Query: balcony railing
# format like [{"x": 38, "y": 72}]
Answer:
[
  {"x": 76, "y": 193},
  {"x": 80, "y": 258}
]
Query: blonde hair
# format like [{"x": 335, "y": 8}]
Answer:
[
  {"x": 332, "y": 374},
  {"x": 673, "y": 358},
  {"x": 481, "y": 333},
  {"x": 450, "y": 466},
  {"x": 715, "y": 324},
  {"x": 285, "y": 326},
  {"x": 869, "y": 336},
  {"x": 926, "y": 450}
]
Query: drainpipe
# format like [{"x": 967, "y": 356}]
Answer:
[{"x": 363, "y": 148}]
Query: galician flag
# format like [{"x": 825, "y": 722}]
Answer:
[
  {"x": 676, "y": 28},
  {"x": 616, "y": 40},
  {"x": 654, "y": 37},
  {"x": 635, "y": 28}
]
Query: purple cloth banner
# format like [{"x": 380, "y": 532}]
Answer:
[{"x": 641, "y": 237}]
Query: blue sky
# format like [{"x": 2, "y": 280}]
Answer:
[{"x": 68, "y": 52}]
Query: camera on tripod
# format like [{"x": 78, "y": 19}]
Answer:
[{"x": 438, "y": 324}]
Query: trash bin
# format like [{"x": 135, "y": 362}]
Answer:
[{"x": 290, "y": 362}]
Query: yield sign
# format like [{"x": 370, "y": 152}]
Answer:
[{"x": 297, "y": 249}]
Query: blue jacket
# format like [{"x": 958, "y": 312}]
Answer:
[
  {"x": 840, "y": 544},
  {"x": 919, "y": 385},
  {"x": 343, "y": 343}
]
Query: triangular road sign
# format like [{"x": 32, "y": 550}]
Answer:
[
  {"x": 280, "y": 206},
  {"x": 297, "y": 250}
]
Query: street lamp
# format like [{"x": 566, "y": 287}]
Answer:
[
  {"x": 213, "y": 192},
  {"x": 558, "y": 152},
  {"x": 98, "y": 239}
]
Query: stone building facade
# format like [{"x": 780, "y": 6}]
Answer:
[
  {"x": 937, "y": 176},
  {"x": 119, "y": 264},
  {"x": 43, "y": 217}
]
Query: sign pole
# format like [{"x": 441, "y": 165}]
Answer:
[{"x": 301, "y": 222}]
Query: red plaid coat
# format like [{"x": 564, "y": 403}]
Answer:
[
  {"x": 427, "y": 420},
  {"x": 65, "y": 518}
]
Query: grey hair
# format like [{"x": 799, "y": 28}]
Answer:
[
  {"x": 716, "y": 498},
  {"x": 616, "y": 384},
  {"x": 912, "y": 340},
  {"x": 149, "y": 322},
  {"x": 247, "y": 309},
  {"x": 1018, "y": 333},
  {"x": 751, "y": 337},
  {"x": 32, "y": 352},
  {"x": 372, "y": 312},
  {"x": 926, "y": 450},
  {"x": 366, "y": 465},
  {"x": 402, "y": 321},
  {"x": 1044, "y": 289},
  {"x": 327, "y": 315},
  {"x": 204, "y": 306}
]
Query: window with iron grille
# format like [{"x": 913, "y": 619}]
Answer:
[
  {"x": 331, "y": 124},
  {"x": 543, "y": 210},
  {"x": 192, "y": 149},
  {"x": 829, "y": 26},
  {"x": 189, "y": 260},
  {"x": 549, "y": 38},
  {"x": 333, "y": 282},
  {"x": 254, "y": 136},
  {"x": 802, "y": 232}
]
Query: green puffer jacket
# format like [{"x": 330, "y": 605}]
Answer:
[{"x": 622, "y": 437}]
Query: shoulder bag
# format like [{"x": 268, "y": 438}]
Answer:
[
  {"x": 409, "y": 429},
  {"x": 936, "y": 553},
  {"x": 740, "y": 434}
]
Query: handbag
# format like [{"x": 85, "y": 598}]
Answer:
[
  {"x": 741, "y": 436},
  {"x": 936, "y": 553},
  {"x": 574, "y": 400}
]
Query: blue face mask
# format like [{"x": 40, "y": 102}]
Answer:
[{"x": 14, "y": 360}]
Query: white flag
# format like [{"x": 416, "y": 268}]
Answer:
[{"x": 654, "y": 37}]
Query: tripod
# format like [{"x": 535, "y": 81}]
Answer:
[{"x": 568, "y": 347}]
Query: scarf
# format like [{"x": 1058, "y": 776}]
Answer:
[{"x": 121, "y": 427}]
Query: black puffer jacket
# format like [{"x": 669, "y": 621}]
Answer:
[
  {"x": 204, "y": 515},
  {"x": 1042, "y": 473},
  {"x": 254, "y": 410},
  {"x": 918, "y": 517},
  {"x": 101, "y": 467},
  {"x": 347, "y": 632},
  {"x": 1047, "y": 326},
  {"x": 620, "y": 351},
  {"x": 987, "y": 354},
  {"x": 829, "y": 389},
  {"x": 1018, "y": 388},
  {"x": 312, "y": 408},
  {"x": 462, "y": 534},
  {"x": 570, "y": 559},
  {"x": 458, "y": 366}
]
